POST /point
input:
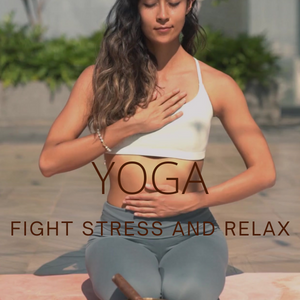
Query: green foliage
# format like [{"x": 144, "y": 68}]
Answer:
[
  {"x": 17, "y": 44},
  {"x": 217, "y": 2},
  {"x": 245, "y": 58},
  {"x": 25, "y": 57}
]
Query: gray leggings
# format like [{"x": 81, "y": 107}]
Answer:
[{"x": 181, "y": 258}]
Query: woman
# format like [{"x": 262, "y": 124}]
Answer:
[{"x": 163, "y": 239}]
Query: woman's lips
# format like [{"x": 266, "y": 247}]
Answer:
[{"x": 164, "y": 29}]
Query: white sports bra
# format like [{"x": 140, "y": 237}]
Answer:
[{"x": 184, "y": 138}]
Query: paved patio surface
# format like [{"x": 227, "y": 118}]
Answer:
[{"x": 27, "y": 196}]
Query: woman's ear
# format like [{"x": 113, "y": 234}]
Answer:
[{"x": 190, "y": 4}]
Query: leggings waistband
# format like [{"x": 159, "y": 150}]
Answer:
[
  {"x": 123, "y": 214},
  {"x": 118, "y": 221}
]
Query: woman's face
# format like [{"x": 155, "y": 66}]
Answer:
[{"x": 163, "y": 13}]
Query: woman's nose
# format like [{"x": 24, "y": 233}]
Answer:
[{"x": 163, "y": 13}]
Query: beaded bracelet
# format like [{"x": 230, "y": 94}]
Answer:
[
  {"x": 102, "y": 142},
  {"x": 101, "y": 139}
]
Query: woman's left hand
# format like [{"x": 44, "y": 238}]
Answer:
[{"x": 156, "y": 204}]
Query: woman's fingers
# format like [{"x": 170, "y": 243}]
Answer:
[
  {"x": 169, "y": 95},
  {"x": 154, "y": 96}
]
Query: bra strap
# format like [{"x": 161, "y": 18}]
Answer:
[{"x": 199, "y": 72}]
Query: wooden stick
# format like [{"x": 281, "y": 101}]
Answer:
[{"x": 125, "y": 287}]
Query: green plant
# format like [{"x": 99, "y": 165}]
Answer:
[
  {"x": 17, "y": 44},
  {"x": 245, "y": 58},
  {"x": 24, "y": 57},
  {"x": 217, "y": 2}
]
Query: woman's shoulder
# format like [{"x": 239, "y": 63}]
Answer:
[
  {"x": 86, "y": 76},
  {"x": 211, "y": 74},
  {"x": 87, "y": 73},
  {"x": 218, "y": 85},
  {"x": 85, "y": 79}
]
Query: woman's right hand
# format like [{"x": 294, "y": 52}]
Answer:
[{"x": 159, "y": 112}]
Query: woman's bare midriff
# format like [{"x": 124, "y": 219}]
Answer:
[{"x": 131, "y": 177}]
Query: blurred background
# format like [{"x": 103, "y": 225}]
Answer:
[{"x": 45, "y": 45}]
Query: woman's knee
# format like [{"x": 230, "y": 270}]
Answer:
[
  {"x": 106, "y": 257},
  {"x": 147, "y": 287},
  {"x": 195, "y": 269},
  {"x": 191, "y": 288}
]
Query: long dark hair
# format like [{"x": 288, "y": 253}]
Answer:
[{"x": 125, "y": 70}]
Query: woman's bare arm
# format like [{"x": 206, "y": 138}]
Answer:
[
  {"x": 63, "y": 151},
  {"x": 232, "y": 110}
]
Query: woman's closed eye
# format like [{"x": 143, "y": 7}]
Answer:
[{"x": 171, "y": 4}]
